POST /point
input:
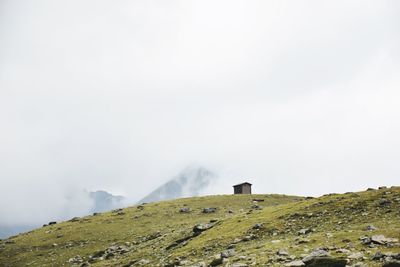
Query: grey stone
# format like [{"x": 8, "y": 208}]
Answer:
[
  {"x": 184, "y": 210},
  {"x": 258, "y": 226},
  {"x": 295, "y": 263},
  {"x": 382, "y": 240},
  {"x": 239, "y": 264},
  {"x": 315, "y": 254},
  {"x": 209, "y": 210},
  {"x": 326, "y": 262},
  {"x": 370, "y": 228},
  {"x": 202, "y": 227},
  {"x": 282, "y": 252},
  {"x": 228, "y": 253}
]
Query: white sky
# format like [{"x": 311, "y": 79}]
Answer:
[{"x": 297, "y": 97}]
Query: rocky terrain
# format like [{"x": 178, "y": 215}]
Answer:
[{"x": 351, "y": 229}]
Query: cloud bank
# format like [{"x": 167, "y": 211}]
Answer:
[{"x": 295, "y": 97}]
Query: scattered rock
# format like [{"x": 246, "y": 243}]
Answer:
[
  {"x": 202, "y": 227},
  {"x": 315, "y": 254},
  {"x": 378, "y": 255},
  {"x": 228, "y": 253},
  {"x": 343, "y": 250},
  {"x": 184, "y": 210},
  {"x": 380, "y": 239},
  {"x": 239, "y": 264},
  {"x": 209, "y": 210},
  {"x": 370, "y": 228},
  {"x": 282, "y": 252},
  {"x": 295, "y": 263},
  {"x": 76, "y": 259},
  {"x": 326, "y": 262},
  {"x": 258, "y": 226},
  {"x": 116, "y": 210},
  {"x": 218, "y": 260}
]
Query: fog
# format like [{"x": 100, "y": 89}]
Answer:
[{"x": 296, "y": 97}]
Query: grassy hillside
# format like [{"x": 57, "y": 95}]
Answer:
[{"x": 275, "y": 230}]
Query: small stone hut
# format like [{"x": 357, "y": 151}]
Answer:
[{"x": 243, "y": 188}]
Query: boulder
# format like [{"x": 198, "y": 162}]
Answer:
[
  {"x": 228, "y": 253},
  {"x": 239, "y": 264},
  {"x": 282, "y": 252},
  {"x": 319, "y": 253},
  {"x": 209, "y": 210},
  {"x": 370, "y": 228},
  {"x": 76, "y": 259},
  {"x": 184, "y": 210},
  {"x": 218, "y": 260},
  {"x": 382, "y": 240},
  {"x": 202, "y": 227},
  {"x": 326, "y": 262},
  {"x": 295, "y": 263},
  {"x": 258, "y": 226}
]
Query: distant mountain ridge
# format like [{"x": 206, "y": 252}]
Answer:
[{"x": 192, "y": 181}]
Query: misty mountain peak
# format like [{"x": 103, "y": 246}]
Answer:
[{"x": 192, "y": 181}]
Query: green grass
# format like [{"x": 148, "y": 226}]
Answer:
[{"x": 343, "y": 216}]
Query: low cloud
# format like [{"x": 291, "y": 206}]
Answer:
[{"x": 297, "y": 98}]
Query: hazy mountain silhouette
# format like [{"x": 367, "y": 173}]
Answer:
[{"x": 190, "y": 182}]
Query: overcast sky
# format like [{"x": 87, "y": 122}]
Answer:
[{"x": 297, "y": 97}]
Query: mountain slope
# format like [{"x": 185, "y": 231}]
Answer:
[
  {"x": 258, "y": 230},
  {"x": 190, "y": 182}
]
